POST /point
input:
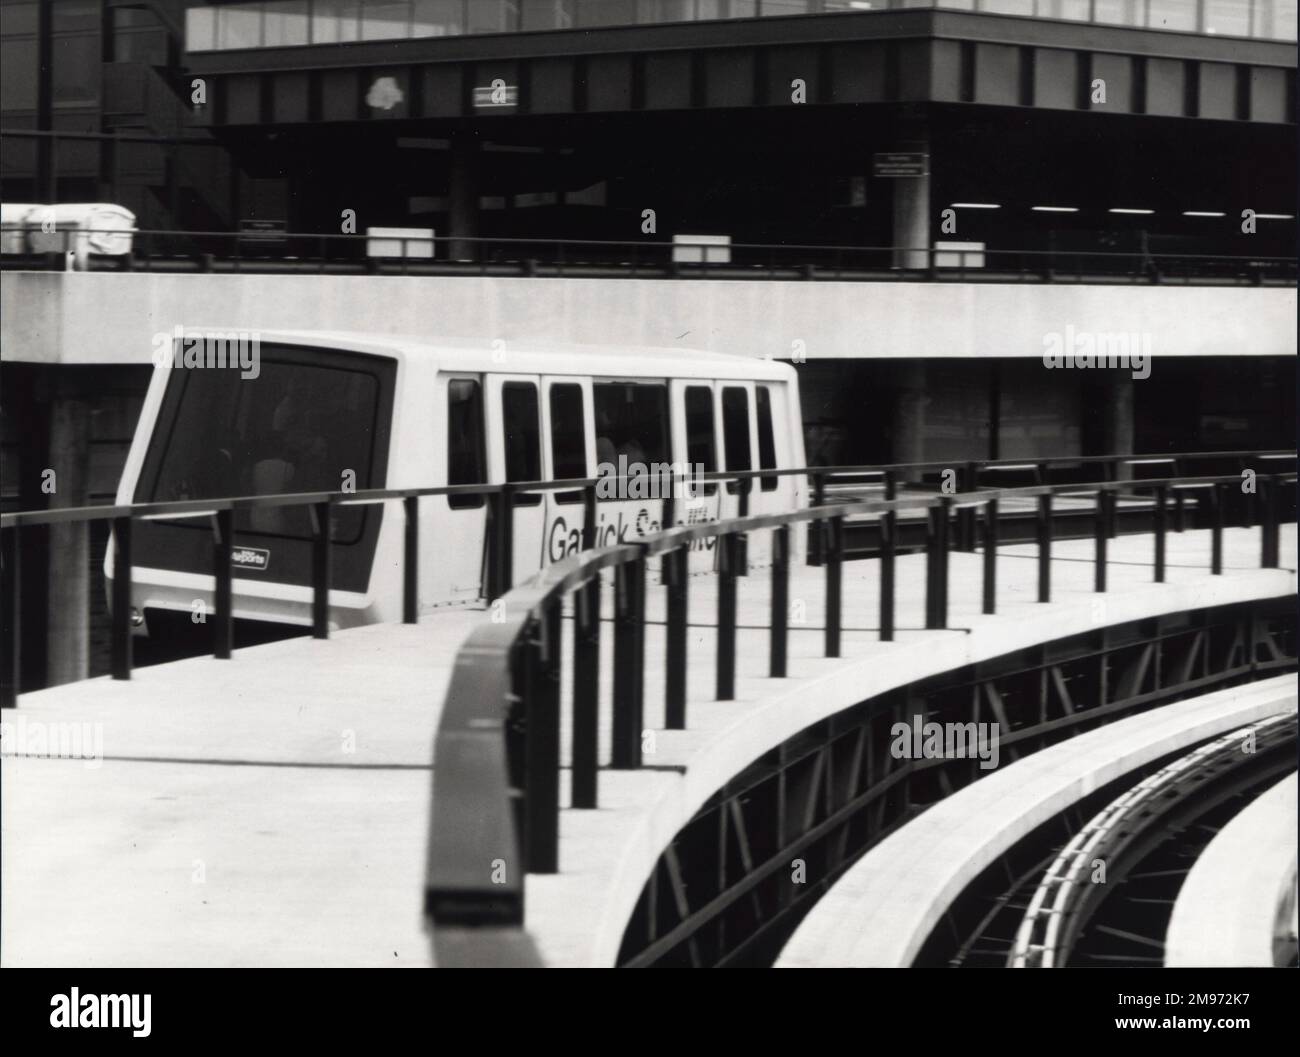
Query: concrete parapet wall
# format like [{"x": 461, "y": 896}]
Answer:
[{"x": 51, "y": 317}]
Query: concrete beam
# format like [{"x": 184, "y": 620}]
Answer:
[{"x": 54, "y": 317}]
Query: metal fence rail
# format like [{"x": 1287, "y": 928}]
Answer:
[
  {"x": 318, "y": 253},
  {"x": 826, "y": 543},
  {"x": 504, "y": 693}
]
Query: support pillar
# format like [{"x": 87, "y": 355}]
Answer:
[
  {"x": 463, "y": 192},
  {"x": 911, "y": 202},
  {"x": 1118, "y": 421},
  {"x": 68, "y": 641},
  {"x": 909, "y": 416}
]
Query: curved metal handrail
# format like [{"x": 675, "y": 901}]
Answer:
[{"x": 512, "y": 668}]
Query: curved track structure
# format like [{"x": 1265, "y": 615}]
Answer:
[{"x": 1129, "y": 859}]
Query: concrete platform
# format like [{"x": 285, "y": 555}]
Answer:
[
  {"x": 882, "y": 910},
  {"x": 273, "y": 809},
  {"x": 1227, "y": 909}
]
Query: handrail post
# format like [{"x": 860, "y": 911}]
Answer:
[
  {"x": 1045, "y": 547},
  {"x": 676, "y": 571},
  {"x": 888, "y": 524},
  {"x": 990, "y": 556},
  {"x": 320, "y": 570},
  {"x": 411, "y": 561},
  {"x": 728, "y": 555},
  {"x": 888, "y": 546},
  {"x": 10, "y": 616},
  {"x": 223, "y": 546},
  {"x": 501, "y": 516},
  {"x": 589, "y": 517},
  {"x": 121, "y": 627},
  {"x": 1160, "y": 533},
  {"x": 1101, "y": 537},
  {"x": 1216, "y": 528},
  {"x": 586, "y": 691},
  {"x": 1268, "y": 527},
  {"x": 936, "y": 600},
  {"x": 815, "y": 528},
  {"x": 778, "y": 642},
  {"x": 834, "y": 583},
  {"x": 629, "y": 643},
  {"x": 542, "y": 744},
  {"x": 967, "y": 516}
]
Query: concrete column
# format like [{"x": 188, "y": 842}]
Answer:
[
  {"x": 463, "y": 191},
  {"x": 68, "y": 645},
  {"x": 911, "y": 221},
  {"x": 909, "y": 416},
  {"x": 911, "y": 198},
  {"x": 1117, "y": 420}
]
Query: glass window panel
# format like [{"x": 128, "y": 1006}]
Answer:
[
  {"x": 1229, "y": 17},
  {"x": 631, "y": 422},
  {"x": 384, "y": 19},
  {"x": 285, "y": 23},
  {"x": 785, "y": 7},
  {"x": 1172, "y": 14},
  {"x": 701, "y": 437},
  {"x": 735, "y": 434},
  {"x": 606, "y": 13},
  {"x": 1074, "y": 10},
  {"x": 74, "y": 14},
  {"x": 666, "y": 10},
  {"x": 76, "y": 69},
  {"x": 18, "y": 18},
  {"x": 493, "y": 16},
  {"x": 766, "y": 436},
  {"x": 296, "y": 430},
  {"x": 1008, "y": 7},
  {"x": 523, "y": 450},
  {"x": 18, "y": 63},
  {"x": 1119, "y": 12},
  {"x": 568, "y": 438},
  {"x": 1280, "y": 17},
  {"x": 141, "y": 45},
  {"x": 239, "y": 27},
  {"x": 439, "y": 18},
  {"x": 335, "y": 21},
  {"x": 466, "y": 461}
]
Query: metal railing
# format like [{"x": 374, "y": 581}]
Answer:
[
  {"x": 331, "y": 254},
  {"x": 500, "y": 506},
  {"x": 496, "y": 795}
]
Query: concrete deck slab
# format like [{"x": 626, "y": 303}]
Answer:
[{"x": 1227, "y": 908}]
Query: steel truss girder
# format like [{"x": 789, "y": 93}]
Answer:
[{"x": 739, "y": 876}]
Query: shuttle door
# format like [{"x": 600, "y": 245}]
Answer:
[{"x": 515, "y": 455}]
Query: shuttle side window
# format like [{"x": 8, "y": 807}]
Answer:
[
  {"x": 466, "y": 461},
  {"x": 735, "y": 434},
  {"x": 523, "y": 449},
  {"x": 631, "y": 423},
  {"x": 701, "y": 437},
  {"x": 766, "y": 436},
  {"x": 568, "y": 440}
]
